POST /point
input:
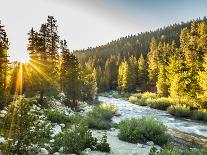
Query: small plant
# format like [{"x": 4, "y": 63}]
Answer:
[
  {"x": 100, "y": 116},
  {"x": 77, "y": 138},
  {"x": 176, "y": 151},
  {"x": 200, "y": 114},
  {"x": 137, "y": 99},
  {"x": 143, "y": 130},
  {"x": 103, "y": 146},
  {"x": 160, "y": 103},
  {"x": 149, "y": 95},
  {"x": 57, "y": 116},
  {"x": 22, "y": 127},
  {"x": 180, "y": 111}
]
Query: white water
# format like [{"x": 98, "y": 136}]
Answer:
[{"x": 129, "y": 110}]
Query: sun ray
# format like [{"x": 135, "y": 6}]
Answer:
[
  {"x": 17, "y": 99},
  {"x": 44, "y": 75}
]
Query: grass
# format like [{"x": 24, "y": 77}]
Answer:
[
  {"x": 180, "y": 111},
  {"x": 176, "y": 151},
  {"x": 151, "y": 100},
  {"x": 163, "y": 103},
  {"x": 160, "y": 103},
  {"x": 100, "y": 117},
  {"x": 142, "y": 130}
]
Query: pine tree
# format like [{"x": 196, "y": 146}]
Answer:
[
  {"x": 4, "y": 46},
  {"x": 203, "y": 78},
  {"x": 142, "y": 73},
  {"x": 89, "y": 88},
  {"x": 71, "y": 77},
  {"x": 123, "y": 76},
  {"x": 52, "y": 38},
  {"x": 162, "y": 86},
  {"x": 153, "y": 62},
  {"x": 133, "y": 73}
]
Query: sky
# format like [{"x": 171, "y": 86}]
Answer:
[{"x": 89, "y": 23}]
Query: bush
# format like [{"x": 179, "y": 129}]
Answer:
[
  {"x": 180, "y": 111},
  {"x": 200, "y": 114},
  {"x": 176, "y": 151},
  {"x": 137, "y": 99},
  {"x": 142, "y": 130},
  {"x": 103, "y": 146},
  {"x": 22, "y": 128},
  {"x": 100, "y": 116},
  {"x": 149, "y": 95},
  {"x": 57, "y": 116},
  {"x": 77, "y": 139},
  {"x": 160, "y": 103}
]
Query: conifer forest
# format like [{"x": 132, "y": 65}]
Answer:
[{"x": 143, "y": 93}]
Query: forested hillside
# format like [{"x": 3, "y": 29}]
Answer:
[{"x": 107, "y": 58}]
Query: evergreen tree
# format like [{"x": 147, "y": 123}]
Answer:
[
  {"x": 203, "y": 78},
  {"x": 132, "y": 73},
  {"x": 142, "y": 73},
  {"x": 71, "y": 78},
  {"x": 4, "y": 45},
  {"x": 123, "y": 76},
  {"x": 89, "y": 88},
  {"x": 162, "y": 86},
  {"x": 153, "y": 62}
]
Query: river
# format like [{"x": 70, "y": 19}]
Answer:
[{"x": 129, "y": 110}]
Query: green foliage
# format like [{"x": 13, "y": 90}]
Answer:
[
  {"x": 70, "y": 77},
  {"x": 57, "y": 116},
  {"x": 200, "y": 114},
  {"x": 100, "y": 116},
  {"x": 4, "y": 46},
  {"x": 142, "y": 130},
  {"x": 180, "y": 111},
  {"x": 42, "y": 71},
  {"x": 89, "y": 87},
  {"x": 149, "y": 95},
  {"x": 176, "y": 151},
  {"x": 160, "y": 103},
  {"x": 77, "y": 139},
  {"x": 161, "y": 84},
  {"x": 22, "y": 128},
  {"x": 72, "y": 140},
  {"x": 103, "y": 146}
]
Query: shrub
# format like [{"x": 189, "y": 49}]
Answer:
[
  {"x": 133, "y": 99},
  {"x": 180, "y": 111},
  {"x": 72, "y": 140},
  {"x": 77, "y": 139},
  {"x": 149, "y": 95},
  {"x": 142, "y": 130},
  {"x": 176, "y": 151},
  {"x": 137, "y": 99},
  {"x": 160, "y": 103},
  {"x": 57, "y": 116},
  {"x": 200, "y": 114},
  {"x": 100, "y": 116},
  {"x": 22, "y": 127},
  {"x": 103, "y": 146}
]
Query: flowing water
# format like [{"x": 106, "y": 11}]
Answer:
[{"x": 129, "y": 110}]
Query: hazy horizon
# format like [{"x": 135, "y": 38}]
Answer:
[{"x": 85, "y": 23}]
